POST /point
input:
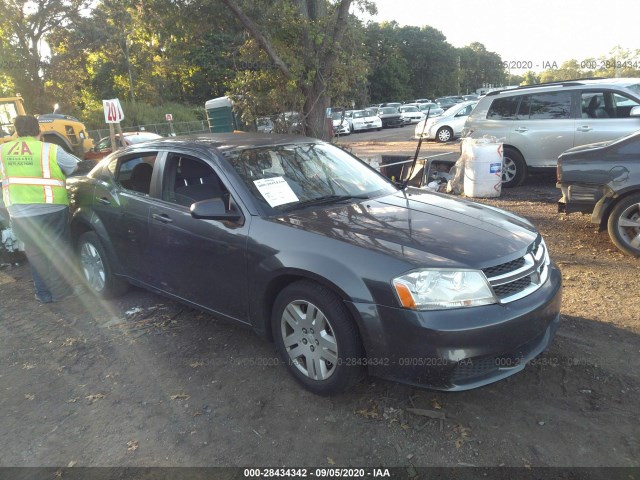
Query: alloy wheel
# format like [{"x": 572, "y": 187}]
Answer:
[
  {"x": 92, "y": 266},
  {"x": 629, "y": 226},
  {"x": 309, "y": 340}
]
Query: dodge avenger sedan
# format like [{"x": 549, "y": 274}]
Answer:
[{"x": 322, "y": 255}]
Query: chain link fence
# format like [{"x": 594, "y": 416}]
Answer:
[{"x": 166, "y": 129}]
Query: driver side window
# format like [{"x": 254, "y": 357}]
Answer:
[{"x": 189, "y": 180}]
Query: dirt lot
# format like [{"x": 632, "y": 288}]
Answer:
[{"x": 142, "y": 381}]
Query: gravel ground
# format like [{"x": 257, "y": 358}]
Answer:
[{"x": 143, "y": 381}]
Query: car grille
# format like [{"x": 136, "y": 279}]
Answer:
[{"x": 520, "y": 277}]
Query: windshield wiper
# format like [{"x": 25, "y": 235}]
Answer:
[{"x": 323, "y": 200}]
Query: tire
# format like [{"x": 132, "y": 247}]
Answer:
[
  {"x": 96, "y": 269},
  {"x": 310, "y": 322},
  {"x": 514, "y": 168},
  {"x": 444, "y": 134},
  {"x": 624, "y": 225}
]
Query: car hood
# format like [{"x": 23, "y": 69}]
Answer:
[{"x": 423, "y": 229}]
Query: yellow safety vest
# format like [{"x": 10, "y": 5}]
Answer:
[{"x": 30, "y": 173}]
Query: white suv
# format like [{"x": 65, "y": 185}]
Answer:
[{"x": 539, "y": 122}]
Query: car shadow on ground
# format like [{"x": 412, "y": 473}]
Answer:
[{"x": 144, "y": 381}]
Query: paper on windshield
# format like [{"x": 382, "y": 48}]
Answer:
[{"x": 276, "y": 191}]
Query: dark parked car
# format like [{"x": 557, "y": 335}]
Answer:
[
  {"x": 390, "y": 117},
  {"x": 604, "y": 179},
  {"x": 446, "y": 102},
  {"x": 323, "y": 255}
]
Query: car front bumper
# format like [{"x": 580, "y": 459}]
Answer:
[{"x": 463, "y": 348}]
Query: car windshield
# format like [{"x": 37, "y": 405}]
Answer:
[
  {"x": 289, "y": 177},
  {"x": 451, "y": 111},
  {"x": 389, "y": 110},
  {"x": 337, "y": 115},
  {"x": 634, "y": 88},
  {"x": 359, "y": 114},
  {"x": 369, "y": 113},
  {"x": 408, "y": 109}
]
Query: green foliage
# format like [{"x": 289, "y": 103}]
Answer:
[
  {"x": 410, "y": 62},
  {"x": 144, "y": 114},
  {"x": 159, "y": 54},
  {"x": 618, "y": 63}
]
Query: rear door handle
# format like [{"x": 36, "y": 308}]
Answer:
[
  {"x": 161, "y": 218},
  {"x": 585, "y": 128},
  {"x": 104, "y": 201},
  {"x": 522, "y": 129}
]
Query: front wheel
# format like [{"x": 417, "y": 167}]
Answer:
[
  {"x": 96, "y": 269},
  {"x": 317, "y": 338},
  {"x": 444, "y": 134},
  {"x": 514, "y": 168},
  {"x": 624, "y": 225}
]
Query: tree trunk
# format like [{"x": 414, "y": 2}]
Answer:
[{"x": 314, "y": 111}]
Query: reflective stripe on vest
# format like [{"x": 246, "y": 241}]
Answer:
[{"x": 30, "y": 173}]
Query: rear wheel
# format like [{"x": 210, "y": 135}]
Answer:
[
  {"x": 514, "y": 168},
  {"x": 96, "y": 269},
  {"x": 444, "y": 134},
  {"x": 624, "y": 225},
  {"x": 317, "y": 338}
]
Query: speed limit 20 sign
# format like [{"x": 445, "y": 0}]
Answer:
[{"x": 112, "y": 111}]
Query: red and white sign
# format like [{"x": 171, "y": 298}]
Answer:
[
  {"x": 112, "y": 111},
  {"x": 168, "y": 117}
]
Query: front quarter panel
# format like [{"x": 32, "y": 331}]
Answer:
[{"x": 277, "y": 251}]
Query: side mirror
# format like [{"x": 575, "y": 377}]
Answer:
[
  {"x": 213, "y": 209},
  {"x": 635, "y": 111}
]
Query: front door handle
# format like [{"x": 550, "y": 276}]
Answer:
[
  {"x": 161, "y": 218},
  {"x": 585, "y": 128},
  {"x": 522, "y": 129},
  {"x": 104, "y": 201}
]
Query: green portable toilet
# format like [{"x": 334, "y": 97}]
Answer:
[{"x": 220, "y": 115}]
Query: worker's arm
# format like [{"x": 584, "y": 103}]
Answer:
[{"x": 68, "y": 163}]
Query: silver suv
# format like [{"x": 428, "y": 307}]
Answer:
[{"x": 540, "y": 122}]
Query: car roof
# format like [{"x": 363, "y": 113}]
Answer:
[
  {"x": 622, "y": 82},
  {"x": 228, "y": 141}
]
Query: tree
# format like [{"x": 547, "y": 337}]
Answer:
[
  {"x": 301, "y": 41},
  {"x": 479, "y": 67},
  {"x": 529, "y": 78},
  {"x": 25, "y": 26}
]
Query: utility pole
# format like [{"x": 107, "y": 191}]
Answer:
[{"x": 458, "y": 75}]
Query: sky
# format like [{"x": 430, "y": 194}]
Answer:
[{"x": 533, "y": 31}]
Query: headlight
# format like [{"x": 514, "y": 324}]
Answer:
[{"x": 440, "y": 289}]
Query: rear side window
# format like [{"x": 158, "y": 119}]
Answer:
[
  {"x": 504, "y": 108},
  {"x": 134, "y": 173},
  {"x": 550, "y": 106}
]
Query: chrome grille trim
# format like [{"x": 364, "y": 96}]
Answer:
[{"x": 524, "y": 280}]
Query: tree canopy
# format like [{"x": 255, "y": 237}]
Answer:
[{"x": 271, "y": 56}]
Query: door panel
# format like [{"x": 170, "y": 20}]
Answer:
[{"x": 202, "y": 261}]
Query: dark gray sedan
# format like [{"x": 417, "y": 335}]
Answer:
[
  {"x": 604, "y": 179},
  {"x": 324, "y": 256},
  {"x": 390, "y": 117}
]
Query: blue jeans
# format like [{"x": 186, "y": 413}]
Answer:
[{"x": 47, "y": 244}]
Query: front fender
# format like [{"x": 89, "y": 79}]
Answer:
[{"x": 84, "y": 220}]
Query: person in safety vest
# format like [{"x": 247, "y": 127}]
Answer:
[{"x": 33, "y": 189}]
